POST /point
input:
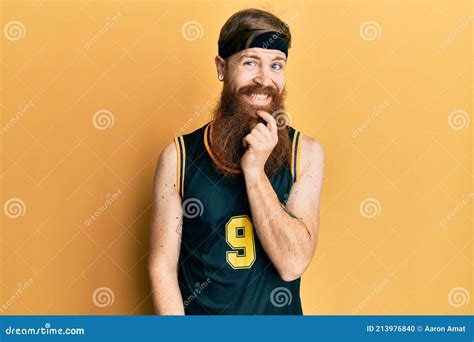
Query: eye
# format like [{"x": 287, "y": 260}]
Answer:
[
  {"x": 250, "y": 63},
  {"x": 277, "y": 66}
]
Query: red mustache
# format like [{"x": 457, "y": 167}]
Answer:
[{"x": 251, "y": 89}]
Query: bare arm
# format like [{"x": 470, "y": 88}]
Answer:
[
  {"x": 288, "y": 234},
  {"x": 165, "y": 240}
]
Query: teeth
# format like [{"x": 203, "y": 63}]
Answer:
[{"x": 259, "y": 97}]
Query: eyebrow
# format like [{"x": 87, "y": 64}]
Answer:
[{"x": 277, "y": 58}]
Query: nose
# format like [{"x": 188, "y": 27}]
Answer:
[{"x": 263, "y": 78}]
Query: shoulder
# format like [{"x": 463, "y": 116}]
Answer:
[
  {"x": 311, "y": 145},
  {"x": 311, "y": 154},
  {"x": 168, "y": 157},
  {"x": 168, "y": 153}
]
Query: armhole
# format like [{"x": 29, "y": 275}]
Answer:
[
  {"x": 295, "y": 157},
  {"x": 181, "y": 164}
]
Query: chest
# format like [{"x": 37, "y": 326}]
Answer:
[{"x": 218, "y": 199}]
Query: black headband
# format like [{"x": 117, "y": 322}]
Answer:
[{"x": 267, "y": 40}]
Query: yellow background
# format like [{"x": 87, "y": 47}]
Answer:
[{"x": 408, "y": 156}]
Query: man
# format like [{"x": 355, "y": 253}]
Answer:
[{"x": 236, "y": 211}]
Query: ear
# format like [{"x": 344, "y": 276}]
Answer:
[{"x": 220, "y": 66}]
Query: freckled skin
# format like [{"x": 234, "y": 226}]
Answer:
[{"x": 290, "y": 237}]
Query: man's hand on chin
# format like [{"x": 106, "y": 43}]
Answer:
[{"x": 260, "y": 143}]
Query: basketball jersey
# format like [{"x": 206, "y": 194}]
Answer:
[{"x": 223, "y": 268}]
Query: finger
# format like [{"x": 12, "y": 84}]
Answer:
[
  {"x": 261, "y": 137},
  {"x": 250, "y": 140},
  {"x": 265, "y": 131},
  {"x": 262, "y": 128},
  {"x": 271, "y": 122}
]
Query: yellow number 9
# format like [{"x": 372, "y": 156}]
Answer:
[{"x": 239, "y": 236}]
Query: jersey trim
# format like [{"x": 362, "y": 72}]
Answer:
[
  {"x": 181, "y": 164},
  {"x": 295, "y": 157}
]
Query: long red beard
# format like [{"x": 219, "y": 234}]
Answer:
[{"x": 234, "y": 118}]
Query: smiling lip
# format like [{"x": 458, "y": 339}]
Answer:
[{"x": 259, "y": 98}]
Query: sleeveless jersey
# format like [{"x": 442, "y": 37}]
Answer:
[{"x": 223, "y": 268}]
